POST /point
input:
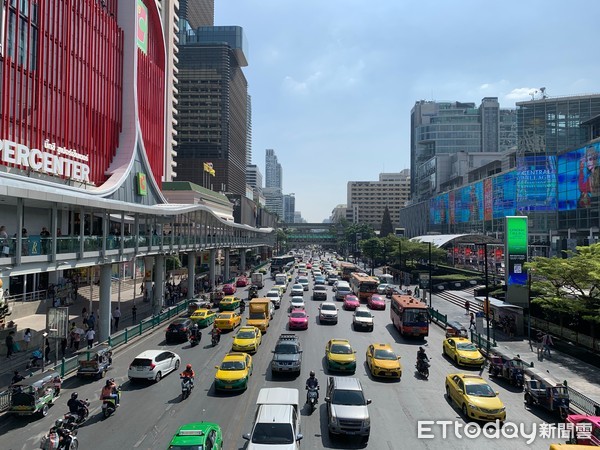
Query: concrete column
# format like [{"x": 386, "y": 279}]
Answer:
[
  {"x": 159, "y": 284},
  {"x": 54, "y": 276},
  {"x": 211, "y": 267},
  {"x": 242, "y": 260},
  {"x": 148, "y": 278},
  {"x": 226, "y": 270},
  {"x": 104, "y": 318},
  {"x": 191, "y": 274}
]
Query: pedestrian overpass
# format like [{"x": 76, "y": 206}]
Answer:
[{"x": 300, "y": 234}]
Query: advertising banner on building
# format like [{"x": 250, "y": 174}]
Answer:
[{"x": 515, "y": 243}]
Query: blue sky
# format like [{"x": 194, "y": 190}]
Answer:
[{"x": 333, "y": 81}]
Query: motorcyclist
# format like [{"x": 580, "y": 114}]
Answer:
[
  {"x": 17, "y": 377},
  {"x": 76, "y": 406},
  {"x": 216, "y": 333},
  {"x": 64, "y": 434},
  {"x": 110, "y": 391},
  {"x": 242, "y": 306},
  {"x": 421, "y": 357},
  {"x": 312, "y": 383},
  {"x": 195, "y": 332},
  {"x": 188, "y": 373}
]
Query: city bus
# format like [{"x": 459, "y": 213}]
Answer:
[
  {"x": 363, "y": 286},
  {"x": 409, "y": 316},
  {"x": 346, "y": 269},
  {"x": 278, "y": 263}
]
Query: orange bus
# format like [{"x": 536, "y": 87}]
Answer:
[
  {"x": 346, "y": 268},
  {"x": 409, "y": 315},
  {"x": 363, "y": 286}
]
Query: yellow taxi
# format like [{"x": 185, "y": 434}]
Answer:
[
  {"x": 282, "y": 290},
  {"x": 203, "y": 317},
  {"x": 229, "y": 303},
  {"x": 228, "y": 320},
  {"x": 476, "y": 399},
  {"x": 383, "y": 362},
  {"x": 234, "y": 372},
  {"x": 463, "y": 352},
  {"x": 340, "y": 356},
  {"x": 247, "y": 339}
]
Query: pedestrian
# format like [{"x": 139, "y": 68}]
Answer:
[
  {"x": 539, "y": 339},
  {"x": 63, "y": 347},
  {"x": 47, "y": 350},
  {"x": 10, "y": 344},
  {"x": 91, "y": 321},
  {"x": 27, "y": 338},
  {"x": 141, "y": 288},
  {"x": 133, "y": 313},
  {"x": 4, "y": 241},
  {"x": 72, "y": 329},
  {"x": 77, "y": 338},
  {"x": 467, "y": 306},
  {"x": 24, "y": 242},
  {"x": 44, "y": 236},
  {"x": 546, "y": 343},
  {"x": 472, "y": 322},
  {"x": 90, "y": 335},
  {"x": 116, "y": 317}
]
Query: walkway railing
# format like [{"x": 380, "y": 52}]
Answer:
[
  {"x": 566, "y": 334},
  {"x": 440, "y": 319},
  {"x": 583, "y": 403},
  {"x": 481, "y": 340}
]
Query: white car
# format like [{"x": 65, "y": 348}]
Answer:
[
  {"x": 153, "y": 365},
  {"x": 328, "y": 312},
  {"x": 275, "y": 296},
  {"x": 382, "y": 288},
  {"x": 304, "y": 282},
  {"x": 297, "y": 303},
  {"x": 362, "y": 319},
  {"x": 297, "y": 290}
]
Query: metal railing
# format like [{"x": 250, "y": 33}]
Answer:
[
  {"x": 583, "y": 403},
  {"x": 4, "y": 400},
  {"x": 440, "y": 319},
  {"x": 481, "y": 341},
  {"x": 566, "y": 334}
]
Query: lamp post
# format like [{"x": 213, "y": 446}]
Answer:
[
  {"x": 487, "y": 299},
  {"x": 430, "y": 279}
]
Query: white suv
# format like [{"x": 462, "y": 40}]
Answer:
[
  {"x": 275, "y": 297},
  {"x": 328, "y": 312},
  {"x": 363, "y": 319},
  {"x": 153, "y": 365}
]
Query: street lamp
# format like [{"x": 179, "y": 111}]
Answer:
[{"x": 487, "y": 299}]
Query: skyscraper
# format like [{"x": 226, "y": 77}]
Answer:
[
  {"x": 213, "y": 95},
  {"x": 289, "y": 206},
  {"x": 198, "y": 13},
  {"x": 249, "y": 131},
  {"x": 273, "y": 175}
]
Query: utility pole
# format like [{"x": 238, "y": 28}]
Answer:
[
  {"x": 487, "y": 299},
  {"x": 430, "y": 277}
]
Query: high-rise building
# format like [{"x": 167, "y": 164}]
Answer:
[
  {"x": 198, "y": 13},
  {"x": 289, "y": 206},
  {"x": 446, "y": 128},
  {"x": 249, "y": 131},
  {"x": 367, "y": 199},
  {"x": 213, "y": 95},
  {"x": 273, "y": 175},
  {"x": 254, "y": 178},
  {"x": 338, "y": 213},
  {"x": 274, "y": 201}
]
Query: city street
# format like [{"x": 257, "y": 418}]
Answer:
[{"x": 150, "y": 413}]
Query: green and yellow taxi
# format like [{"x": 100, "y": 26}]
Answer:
[
  {"x": 247, "y": 339},
  {"x": 203, "y": 317},
  {"x": 198, "y": 435},
  {"x": 281, "y": 288},
  {"x": 228, "y": 320},
  {"x": 234, "y": 372},
  {"x": 383, "y": 362},
  {"x": 463, "y": 352},
  {"x": 340, "y": 356},
  {"x": 475, "y": 398},
  {"x": 229, "y": 303}
]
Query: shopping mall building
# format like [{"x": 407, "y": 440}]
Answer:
[{"x": 82, "y": 150}]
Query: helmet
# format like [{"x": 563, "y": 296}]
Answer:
[
  {"x": 59, "y": 423},
  {"x": 312, "y": 373},
  {"x": 188, "y": 367},
  {"x": 421, "y": 349},
  {"x": 74, "y": 395}
]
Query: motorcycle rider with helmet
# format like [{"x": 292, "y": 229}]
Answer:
[
  {"x": 312, "y": 384},
  {"x": 421, "y": 357},
  {"x": 216, "y": 333},
  {"x": 63, "y": 433},
  {"x": 195, "y": 332},
  {"x": 77, "y": 406},
  {"x": 188, "y": 373}
]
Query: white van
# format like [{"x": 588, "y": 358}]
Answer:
[{"x": 342, "y": 289}]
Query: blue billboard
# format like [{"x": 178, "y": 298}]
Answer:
[
  {"x": 536, "y": 183},
  {"x": 505, "y": 195},
  {"x": 468, "y": 203},
  {"x": 438, "y": 210},
  {"x": 578, "y": 178}
]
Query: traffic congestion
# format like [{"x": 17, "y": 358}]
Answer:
[{"x": 306, "y": 355}]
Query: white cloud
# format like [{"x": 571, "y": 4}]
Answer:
[
  {"x": 301, "y": 87},
  {"x": 519, "y": 94}
]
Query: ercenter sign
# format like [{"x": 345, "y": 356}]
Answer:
[{"x": 53, "y": 159}]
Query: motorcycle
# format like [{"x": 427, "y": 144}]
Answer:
[
  {"x": 74, "y": 419},
  {"x": 109, "y": 405},
  {"x": 215, "y": 339},
  {"x": 51, "y": 441},
  {"x": 186, "y": 387},
  {"x": 312, "y": 397},
  {"x": 242, "y": 307},
  {"x": 195, "y": 339},
  {"x": 35, "y": 360},
  {"x": 422, "y": 367}
]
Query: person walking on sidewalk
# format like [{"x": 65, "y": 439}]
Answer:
[
  {"x": 47, "y": 350},
  {"x": 467, "y": 307},
  {"x": 133, "y": 313},
  {"x": 90, "y": 335},
  {"x": 10, "y": 344},
  {"x": 77, "y": 332},
  {"x": 27, "y": 338},
  {"x": 91, "y": 322},
  {"x": 546, "y": 343},
  {"x": 117, "y": 317},
  {"x": 472, "y": 322},
  {"x": 539, "y": 339}
]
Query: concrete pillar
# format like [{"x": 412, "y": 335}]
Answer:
[
  {"x": 148, "y": 278},
  {"x": 54, "y": 276},
  {"x": 159, "y": 284},
  {"x": 191, "y": 274},
  {"x": 242, "y": 260},
  {"x": 211, "y": 267},
  {"x": 104, "y": 313},
  {"x": 226, "y": 270}
]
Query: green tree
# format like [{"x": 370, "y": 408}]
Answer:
[
  {"x": 568, "y": 287},
  {"x": 372, "y": 249},
  {"x": 387, "y": 227}
]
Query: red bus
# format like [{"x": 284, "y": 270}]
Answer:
[
  {"x": 363, "y": 286},
  {"x": 346, "y": 268},
  {"x": 409, "y": 315}
]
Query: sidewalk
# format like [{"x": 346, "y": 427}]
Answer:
[
  {"x": 37, "y": 323},
  {"x": 579, "y": 375}
]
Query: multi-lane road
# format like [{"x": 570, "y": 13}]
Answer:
[{"x": 150, "y": 413}]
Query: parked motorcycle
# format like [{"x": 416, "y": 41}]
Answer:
[
  {"x": 312, "y": 397},
  {"x": 109, "y": 405},
  {"x": 186, "y": 387},
  {"x": 422, "y": 367},
  {"x": 73, "y": 420}
]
